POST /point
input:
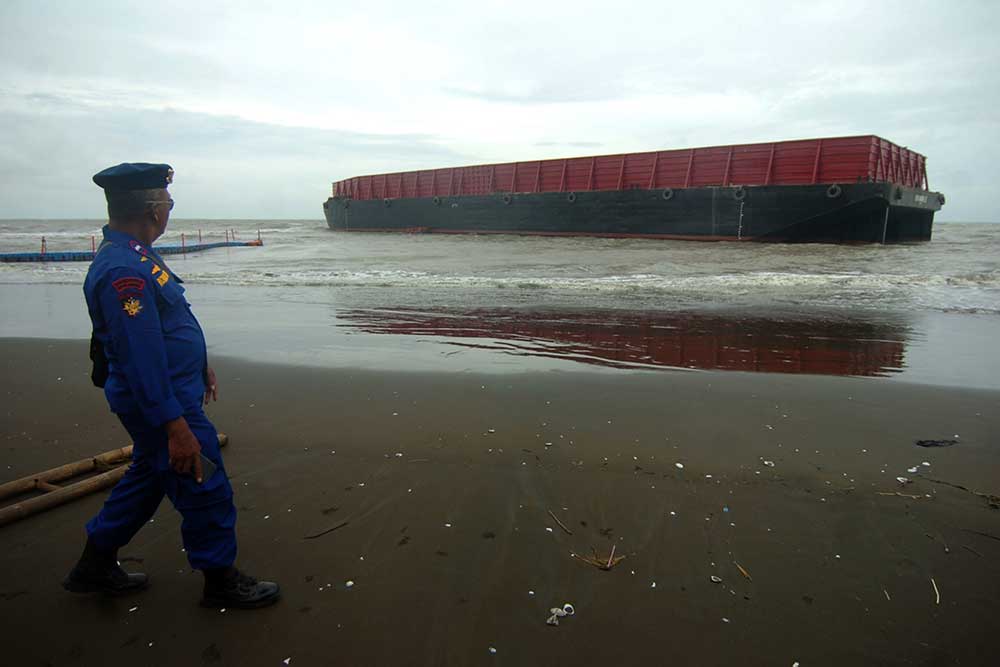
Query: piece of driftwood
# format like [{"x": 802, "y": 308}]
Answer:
[{"x": 53, "y": 495}]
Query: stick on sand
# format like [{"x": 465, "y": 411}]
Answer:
[
  {"x": 561, "y": 524},
  {"x": 324, "y": 532}
]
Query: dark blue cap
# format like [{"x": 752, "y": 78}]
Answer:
[{"x": 135, "y": 176}]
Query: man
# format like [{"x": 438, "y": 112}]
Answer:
[{"x": 150, "y": 357}]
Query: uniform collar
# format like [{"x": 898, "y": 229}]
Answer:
[{"x": 114, "y": 236}]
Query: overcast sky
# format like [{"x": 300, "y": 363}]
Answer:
[{"x": 259, "y": 109}]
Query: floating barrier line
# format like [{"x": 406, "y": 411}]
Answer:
[{"x": 88, "y": 255}]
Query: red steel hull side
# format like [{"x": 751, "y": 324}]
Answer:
[{"x": 802, "y": 162}]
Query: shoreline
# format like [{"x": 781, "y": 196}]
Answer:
[
  {"x": 426, "y": 593},
  {"x": 310, "y": 326}
]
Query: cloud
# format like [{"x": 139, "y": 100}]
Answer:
[
  {"x": 226, "y": 167},
  {"x": 287, "y": 98}
]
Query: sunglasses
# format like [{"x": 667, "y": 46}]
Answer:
[{"x": 169, "y": 203}]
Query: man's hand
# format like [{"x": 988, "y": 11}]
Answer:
[
  {"x": 211, "y": 386},
  {"x": 183, "y": 449}
]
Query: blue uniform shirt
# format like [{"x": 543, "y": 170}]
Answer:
[{"x": 155, "y": 347}]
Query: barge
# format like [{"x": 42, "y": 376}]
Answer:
[{"x": 861, "y": 189}]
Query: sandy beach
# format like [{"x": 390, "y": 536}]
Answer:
[{"x": 446, "y": 482}]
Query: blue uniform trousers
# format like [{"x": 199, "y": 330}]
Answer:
[{"x": 209, "y": 517}]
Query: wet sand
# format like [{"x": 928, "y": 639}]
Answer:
[{"x": 446, "y": 481}]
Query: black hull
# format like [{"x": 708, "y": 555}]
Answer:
[{"x": 851, "y": 213}]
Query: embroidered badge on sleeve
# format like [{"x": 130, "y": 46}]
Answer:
[
  {"x": 129, "y": 286},
  {"x": 130, "y": 294},
  {"x": 132, "y": 306}
]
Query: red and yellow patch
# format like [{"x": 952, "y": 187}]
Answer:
[
  {"x": 129, "y": 286},
  {"x": 132, "y": 306}
]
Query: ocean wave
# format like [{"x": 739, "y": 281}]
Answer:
[{"x": 764, "y": 280}]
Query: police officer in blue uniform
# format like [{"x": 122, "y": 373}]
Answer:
[{"x": 150, "y": 357}]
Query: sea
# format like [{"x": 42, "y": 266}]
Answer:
[{"x": 927, "y": 313}]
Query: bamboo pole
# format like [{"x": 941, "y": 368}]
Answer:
[
  {"x": 26, "y": 484},
  {"x": 26, "y": 508},
  {"x": 56, "y": 496}
]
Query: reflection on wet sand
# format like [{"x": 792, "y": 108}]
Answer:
[{"x": 713, "y": 341}]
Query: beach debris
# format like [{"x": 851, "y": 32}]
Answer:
[
  {"x": 743, "y": 571},
  {"x": 548, "y": 529},
  {"x": 600, "y": 562},
  {"x": 560, "y": 612},
  {"x": 976, "y": 532},
  {"x": 287, "y": 661},
  {"x": 715, "y": 579},
  {"x": 937, "y": 593},
  {"x": 925, "y": 463},
  {"x": 679, "y": 466},
  {"x": 993, "y": 500},
  {"x": 903, "y": 480},
  {"x": 447, "y": 525},
  {"x": 912, "y": 470},
  {"x": 947, "y": 549},
  {"x": 936, "y": 443},
  {"x": 132, "y": 609},
  {"x": 653, "y": 585},
  {"x": 769, "y": 464},
  {"x": 561, "y": 524},
  {"x": 324, "y": 532},
  {"x": 492, "y": 651},
  {"x": 886, "y": 594},
  {"x": 725, "y": 620},
  {"x": 531, "y": 593},
  {"x": 349, "y": 584},
  {"x": 901, "y": 495}
]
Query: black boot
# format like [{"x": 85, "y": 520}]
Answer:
[
  {"x": 99, "y": 572},
  {"x": 228, "y": 587}
]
